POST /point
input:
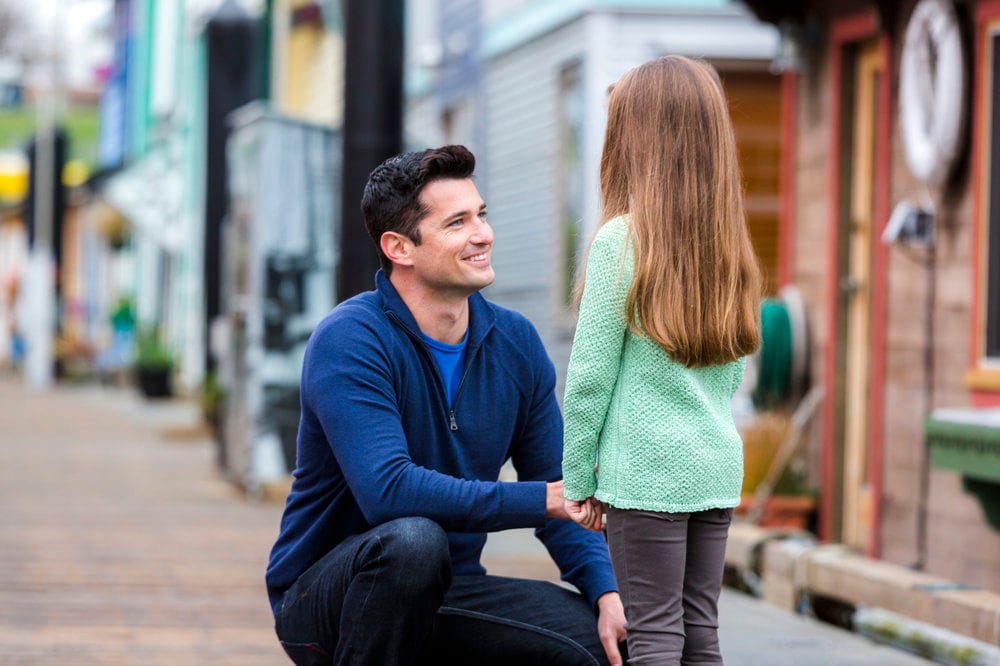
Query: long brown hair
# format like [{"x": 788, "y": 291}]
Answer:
[{"x": 670, "y": 162}]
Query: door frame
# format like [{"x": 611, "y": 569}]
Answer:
[
  {"x": 982, "y": 379},
  {"x": 845, "y": 34},
  {"x": 859, "y": 239}
]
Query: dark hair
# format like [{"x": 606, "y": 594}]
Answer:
[{"x": 391, "y": 200}]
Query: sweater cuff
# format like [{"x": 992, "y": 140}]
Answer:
[
  {"x": 599, "y": 582},
  {"x": 523, "y": 505},
  {"x": 579, "y": 490}
]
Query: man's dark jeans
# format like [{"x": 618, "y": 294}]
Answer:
[{"x": 388, "y": 597}]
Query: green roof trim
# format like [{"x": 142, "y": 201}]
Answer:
[
  {"x": 536, "y": 19},
  {"x": 965, "y": 441},
  {"x": 543, "y": 16}
]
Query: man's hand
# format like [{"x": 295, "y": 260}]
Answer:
[
  {"x": 611, "y": 625},
  {"x": 589, "y": 513}
]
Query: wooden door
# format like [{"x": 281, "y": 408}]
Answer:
[{"x": 856, "y": 286}]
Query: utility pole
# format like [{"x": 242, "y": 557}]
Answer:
[
  {"x": 230, "y": 37},
  {"x": 38, "y": 308},
  {"x": 373, "y": 126}
]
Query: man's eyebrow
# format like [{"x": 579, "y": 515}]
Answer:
[{"x": 463, "y": 213}]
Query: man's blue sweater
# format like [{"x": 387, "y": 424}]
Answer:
[{"x": 378, "y": 440}]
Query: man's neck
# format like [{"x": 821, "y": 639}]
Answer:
[{"x": 443, "y": 317}]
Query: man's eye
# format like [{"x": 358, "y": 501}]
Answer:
[{"x": 482, "y": 215}]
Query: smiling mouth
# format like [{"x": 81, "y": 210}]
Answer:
[{"x": 478, "y": 258}]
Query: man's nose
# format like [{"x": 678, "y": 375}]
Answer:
[{"x": 483, "y": 234}]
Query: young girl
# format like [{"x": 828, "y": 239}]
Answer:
[{"x": 669, "y": 308}]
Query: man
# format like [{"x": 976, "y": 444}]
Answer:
[{"x": 413, "y": 397}]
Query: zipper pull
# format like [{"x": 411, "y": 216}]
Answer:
[{"x": 451, "y": 420}]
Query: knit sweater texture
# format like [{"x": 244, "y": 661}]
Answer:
[{"x": 661, "y": 435}]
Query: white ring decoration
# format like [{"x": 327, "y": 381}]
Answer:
[{"x": 932, "y": 91}]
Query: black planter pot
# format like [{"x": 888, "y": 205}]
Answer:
[{"x": 154, "y": 382}]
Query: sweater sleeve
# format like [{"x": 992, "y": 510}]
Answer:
[
  {"x": 595, "y": 357},
  {"x": 348, "y": 385}
]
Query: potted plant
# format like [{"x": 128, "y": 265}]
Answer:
[
  {"x": 775, "y": 489},
  {"x": 212, "y": 401},
  {"x": 153, "y": 366},
  {"x": 210, "y": 397}
]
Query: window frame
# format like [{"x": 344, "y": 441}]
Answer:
[
  {"x": 571, "y": 179},
  {"x": 984, "y": 373},
  {"x": 989, "y": 237}
]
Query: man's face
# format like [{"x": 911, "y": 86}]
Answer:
[{"x": 455, "y": 239}]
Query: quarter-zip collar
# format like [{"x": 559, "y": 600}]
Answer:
[{"x": 481, "y": 316}]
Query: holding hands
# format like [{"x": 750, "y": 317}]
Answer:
[{"x": 588, "y": 513}]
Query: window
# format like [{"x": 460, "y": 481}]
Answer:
[
  {"x": 571, "y": 176},
  {"x": 991, "y": 234}
]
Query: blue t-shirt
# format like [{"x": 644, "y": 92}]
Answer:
[{"x": 449, "y": 360}]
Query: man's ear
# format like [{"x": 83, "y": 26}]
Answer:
[{"x": 397, "y": 248}]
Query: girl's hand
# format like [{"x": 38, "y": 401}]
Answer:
[{"x": 599, "y": 509}]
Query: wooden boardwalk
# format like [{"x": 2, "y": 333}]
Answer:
[{"x": 119, "y": 545}]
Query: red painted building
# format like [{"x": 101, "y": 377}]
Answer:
[{"x": 890, "y": 227}]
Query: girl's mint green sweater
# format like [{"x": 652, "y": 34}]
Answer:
[{"x": 661, "y": 435}]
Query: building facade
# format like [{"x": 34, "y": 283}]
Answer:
[{"x": 894, "y": 243}]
